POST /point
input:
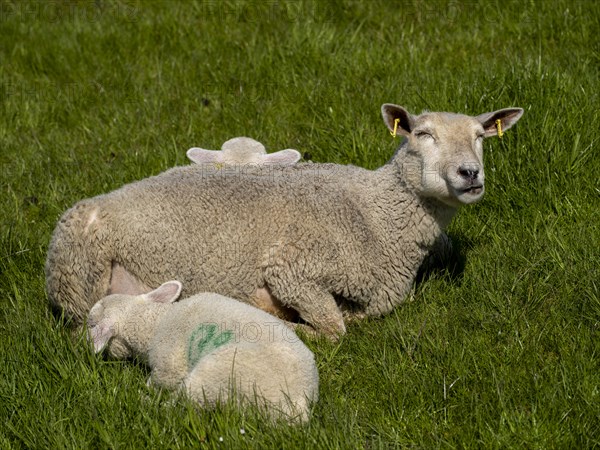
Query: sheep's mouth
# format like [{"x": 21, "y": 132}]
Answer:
[
  {"x": 469, "y": 194},
  {"x": 474, "y": 190}
]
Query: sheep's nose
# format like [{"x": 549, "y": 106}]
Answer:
[{"x": 468, "y": 172}]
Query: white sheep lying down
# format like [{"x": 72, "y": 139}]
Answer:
[
  {"x": 209, "y": 346},
  {"x": 308, "y": 240}
]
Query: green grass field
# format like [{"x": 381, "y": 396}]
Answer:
[{"x": 504, "y": 353}]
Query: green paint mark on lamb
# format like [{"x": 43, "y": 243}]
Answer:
[{"x": 204, "y": 339}]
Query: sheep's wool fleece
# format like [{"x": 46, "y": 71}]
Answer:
[{"x": 306, "y": 232}]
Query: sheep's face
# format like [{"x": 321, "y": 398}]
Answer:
[
  {"x": 444, "y": 154},
  {"x": 450, "y": 155},
  {"x": 111, "y": 324},
  {"x": 125, "y": 322}
]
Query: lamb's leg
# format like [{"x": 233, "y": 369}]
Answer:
[{"x": 213, "y": 378}]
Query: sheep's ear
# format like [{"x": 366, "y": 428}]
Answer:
[
  {"x": 286, "y": 157},
  {"x": 101, "y": 334},
  {"x": 391, "y": 113},
  {"x": 165, "y": 293},
  {"x": 202, "y": 156},
  {"x": 508, "y": 117}
]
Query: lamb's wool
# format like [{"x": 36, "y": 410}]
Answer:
[
  {"x": 210, "y": 346},
  {"x": 243, "y": 150}
]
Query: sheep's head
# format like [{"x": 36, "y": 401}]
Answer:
[
  {"x": 243, "y": 151},
  {"x": 443, "y": 152},
  {"x": 119, "y": 319}
]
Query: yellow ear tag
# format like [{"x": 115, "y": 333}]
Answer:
[
  {"x": 395, "y": 127},
  {"x": 499, "y": 127}
]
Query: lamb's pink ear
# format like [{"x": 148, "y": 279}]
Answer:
[
  {"x": 391, "y": 113},
  {"x": 202, "y": 156},
  {"x": 101, "y": 334},
  {"x": 508, "y": 117},
  {"x": 286, "y": 157},
  {"x": 166, "y": 293}
]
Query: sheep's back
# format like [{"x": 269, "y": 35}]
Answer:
[{"x": 213, "y": 231}]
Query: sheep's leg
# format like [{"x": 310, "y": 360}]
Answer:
[
  {"x": 319, "y": 309},
  {"x": 304, "y": 329},
  {"x": 378, "y": 309},
  {"x": 213, "y": 378},
  {"x": 384, "y": 302},
  {"x": 264, "y": 299},
  {"x": 315, "y": 305},
  {"x": 193, "y": 387},
  {"x": 354, "y": 316}
]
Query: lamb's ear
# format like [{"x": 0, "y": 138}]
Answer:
[
  {"x": 101, "y": 334},
  {"x": 166, "y": 293},
  {"x": 286, "y": 157},
  {"x": 405, "y": 120},
  {"x": 507, "y": 116},
  {"x": 202, "y": 156}
]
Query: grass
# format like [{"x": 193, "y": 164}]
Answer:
[{"x": 503, "y": 354}]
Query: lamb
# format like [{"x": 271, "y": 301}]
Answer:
[
  {"x": 309, "y": 240},
  {"x": 209, "y": 346},
  {"x": 242, "y": 150}
]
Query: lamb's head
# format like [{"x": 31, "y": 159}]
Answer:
[
  {"x": 243, "y": 150},
  {"x": 124, "y": 321},
  {"x": 442, "y": 155}
]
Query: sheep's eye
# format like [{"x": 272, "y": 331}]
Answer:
[{"x": 423, "y": 134}]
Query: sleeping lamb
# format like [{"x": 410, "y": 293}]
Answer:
[
  {"x": 209, "y": 346},
  {"x": 307, "y": 240}
]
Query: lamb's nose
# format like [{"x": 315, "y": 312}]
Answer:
[{"x": 469, "y": 173}]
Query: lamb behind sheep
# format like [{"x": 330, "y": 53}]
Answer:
[
  {"x": 243, "y": 150},
  {"x": 297, "y": 239},
  {"x": 210, "y": 346}
]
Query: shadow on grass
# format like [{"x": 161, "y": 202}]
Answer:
[{"x": 448, "y": 257}]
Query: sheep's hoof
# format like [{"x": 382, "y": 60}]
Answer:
[{"x": 353, "y": 316}]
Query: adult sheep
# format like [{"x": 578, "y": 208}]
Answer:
[{"x": 289, "y": 240}]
